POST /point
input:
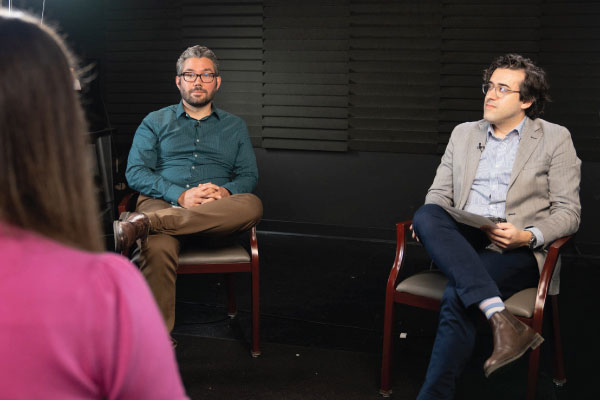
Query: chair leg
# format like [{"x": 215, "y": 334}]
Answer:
[
  {"x": 559, "y": 365},
  {"x": 231, "y": 306},
  {"x": 532, "y": 378},
  {"x": 386, "y": 354},
  {"x": 255, "y": 352}
]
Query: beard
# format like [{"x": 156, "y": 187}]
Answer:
[{"x": 195, "y": 101}]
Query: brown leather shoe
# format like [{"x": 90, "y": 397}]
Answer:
[
  {"x": 512, "y": 339},
  {"x": 130, "y": 227}
]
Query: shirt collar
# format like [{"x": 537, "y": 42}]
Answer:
[
  {"x": 214, "y": 110},
  {"x": 518, "y": 128}
]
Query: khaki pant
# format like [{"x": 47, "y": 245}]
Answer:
[{"x": 158, "y": 260}]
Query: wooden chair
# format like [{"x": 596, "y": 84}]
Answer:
[
  {"x": 424, "y": 289},
  {"x": 227, "y": 260}
]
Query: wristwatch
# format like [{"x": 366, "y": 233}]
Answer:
[{"x": 532, "y": 242}]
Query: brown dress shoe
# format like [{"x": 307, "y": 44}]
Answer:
[
  {"x": 512, "y": 339},
  {"x": 130, "y": 227}
]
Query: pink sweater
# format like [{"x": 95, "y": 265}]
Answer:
[{"x": 78, "y": 325}]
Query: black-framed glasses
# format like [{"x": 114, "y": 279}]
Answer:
[
  {"x": 501, "y": 91},
  {"x": 206, "y": 77}
]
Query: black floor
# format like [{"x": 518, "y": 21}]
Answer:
[{"x": 321, "y": 323}]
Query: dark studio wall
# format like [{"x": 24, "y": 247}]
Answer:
[{"x": 349, "y": 103}]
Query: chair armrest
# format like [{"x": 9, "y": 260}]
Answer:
[
  {"x": 128, "y": 202},
  {"x": 546, "y": 275},
  {"x": 402, "y": 229}
]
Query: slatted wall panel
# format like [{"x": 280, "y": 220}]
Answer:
[
  {"x": 305, "y": 75},
  {"x": 394, "y": 75},
  {"x": 142, "y": 45},
  {"x": 233, "y": 30},
  {"x": 474, "y": 32},
  {"x": 570, "y": 52}
]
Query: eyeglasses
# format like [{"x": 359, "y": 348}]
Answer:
[
  {"x": 206, "y": 77},
  {"x": 501, "y": 91}
]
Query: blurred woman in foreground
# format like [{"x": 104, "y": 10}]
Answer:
[{"x": 75, "y": 323}]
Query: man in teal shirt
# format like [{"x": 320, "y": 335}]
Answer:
[{"x": 194, "y": 167}]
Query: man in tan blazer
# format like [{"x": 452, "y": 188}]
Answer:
[{"x": 523, "y": 173}]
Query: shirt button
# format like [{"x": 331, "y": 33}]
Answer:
[
  {"x": 187, "y": 186},
  {"x": 195, "y": 155},
  {"x": 197, "y": 140},
  {"x": 193, "y": 167}
]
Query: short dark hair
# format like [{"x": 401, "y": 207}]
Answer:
[
  {"x": 45, "y": 166},
  {"x": 197, "y": 52},
  {"x": 533, "y": 88}
]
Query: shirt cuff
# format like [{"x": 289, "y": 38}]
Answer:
[
  {"x": 231, "y": 187},
  {"x": 538, "y": 235},
  {"x": 173, "y": 194}
]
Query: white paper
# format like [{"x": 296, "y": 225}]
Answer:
[{"x": 467, "y": 218}]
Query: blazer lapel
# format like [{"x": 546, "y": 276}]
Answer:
[
  {"x": 532, "y": 131},
  {"x": 477, "y": 138}
]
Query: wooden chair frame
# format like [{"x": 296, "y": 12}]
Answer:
[
  {"x": 392, "y": 297},
  {"x": 252, "y": 266}
]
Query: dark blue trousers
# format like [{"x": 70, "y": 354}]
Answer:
[{"x": 475, "y": 274}]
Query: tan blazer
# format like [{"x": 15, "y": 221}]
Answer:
[{"x": 544, "y": 186}]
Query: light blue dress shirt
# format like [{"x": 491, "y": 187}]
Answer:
[{"x": 487, "y": 196}]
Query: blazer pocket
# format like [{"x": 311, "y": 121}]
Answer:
[{"x": 538, "y": 165}]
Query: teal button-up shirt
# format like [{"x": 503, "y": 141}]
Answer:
[{"x": 172, "y": 152}]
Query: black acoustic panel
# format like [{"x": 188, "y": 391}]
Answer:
[
  {"x": 251, "y": 8},
  {"x": 301, "y": 54},
  {"x": 313, "y": 134},
  {"x": 307, "y": 33},
  {"x": 393, "y": 112},
  {"x": 409, "y": 125},
  {"x": 240, "y": 87},
  {"x": 406, "y": 88},
  {"x": 239, "y": 97},
  {"x": 407, "y": 101},
  {"x": 305, "y": 111},
  {"x": 217, "y": 20},
  {"x": 406, "y": 55},
  {"x": 469, "y": 33},
  {"x": 305, "y": 100},
  {"x": 404, "y": 135},
  {"x": 166, "y": 32},
  {"x": 222, "y": 32},
  {"x": 297, "y": 144},
  {"x": 140, "y": 66},
  {"x": 394, "y": 74},
  {"x": 305, "y": 66},
  {"x": 305, "y": 89},
  {"x": 387, "y": 146},
  {"x": 305, "y": 123}
]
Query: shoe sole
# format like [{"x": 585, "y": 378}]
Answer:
[{"x": 535, "y": 342}]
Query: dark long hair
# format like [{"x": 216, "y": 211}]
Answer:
[
  {"x": 533, "y": 88},
  {"x": 45, "y": 170}
]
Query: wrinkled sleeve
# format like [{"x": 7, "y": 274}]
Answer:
[
  {"x": 441, "y": 191},
  {"x": 245, "y": 171},
  {"x": 141, "y": 165},
  {"x": 564, "y": 176},
  {"x": 135, "y": 359}
]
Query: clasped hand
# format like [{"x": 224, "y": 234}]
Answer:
[
  {"x": 506, "y": 236},
  {"x": 203, "y": 193}
]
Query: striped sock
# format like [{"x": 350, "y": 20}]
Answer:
[{"x": 491, "y": 306}]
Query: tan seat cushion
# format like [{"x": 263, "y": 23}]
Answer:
[
  {"x": 425, "y": 283},
  {"x": 431, "y": 283},
  {"x": 220, "y": 255}
]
